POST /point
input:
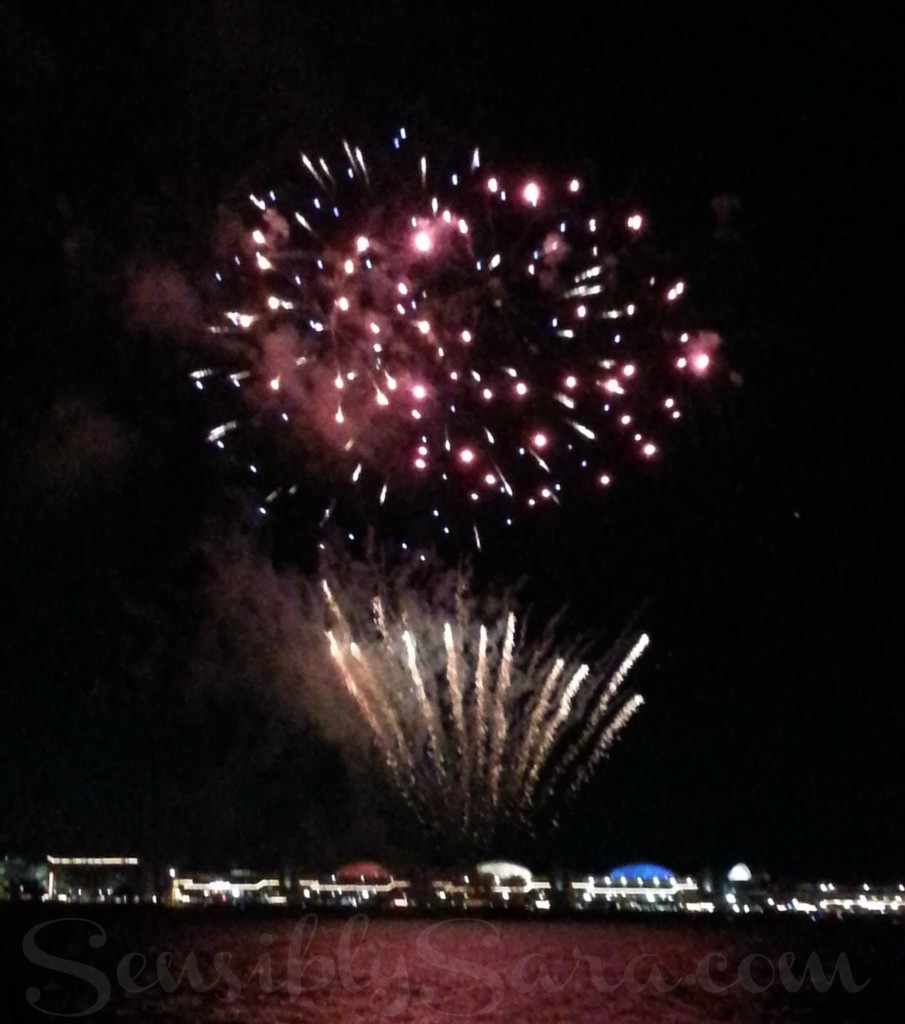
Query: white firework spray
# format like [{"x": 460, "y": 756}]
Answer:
[{"x": 479, "y": 727}]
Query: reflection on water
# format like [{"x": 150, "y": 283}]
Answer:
[{"x": 191, "y": 967}]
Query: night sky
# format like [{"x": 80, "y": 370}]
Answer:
[{"x": 762, "y": 557}]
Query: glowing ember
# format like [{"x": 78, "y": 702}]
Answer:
[{"x": 531, "y": 193}]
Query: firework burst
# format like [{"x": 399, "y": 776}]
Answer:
[
  {"x": 472, "y": 343},
  {"x": 480, "y": 728}
]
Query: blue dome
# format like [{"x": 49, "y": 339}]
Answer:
[{"x": 646, "y": 872}]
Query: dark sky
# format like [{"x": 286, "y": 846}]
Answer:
[{"x": 763, "y": 559}]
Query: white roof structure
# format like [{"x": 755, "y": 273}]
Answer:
[
  {"x": 505, "y": 869},
  {"x": 740, "y": 873}
]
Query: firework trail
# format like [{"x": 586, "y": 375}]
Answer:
[
  {"x": 478, "y": 727},
  {"x": 472, "y": 343}
]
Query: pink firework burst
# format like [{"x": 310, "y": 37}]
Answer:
[{"x": 472, "y": 343}]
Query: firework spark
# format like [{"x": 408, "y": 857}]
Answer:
[
  {"x": 479, "y": 727},
  {"x": 479, "y": 343}
]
